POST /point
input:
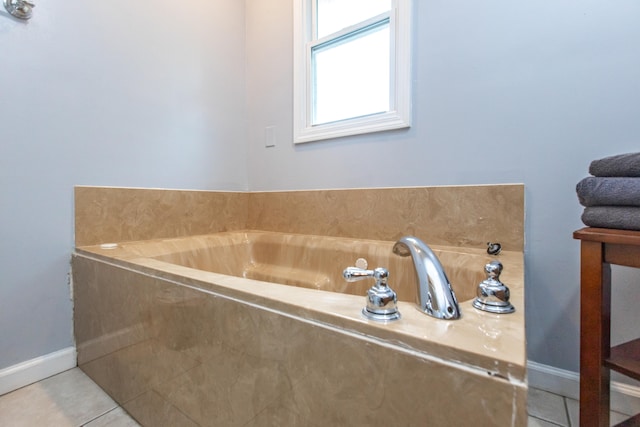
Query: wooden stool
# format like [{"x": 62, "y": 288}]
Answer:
[{"x": 599, "y": 248}]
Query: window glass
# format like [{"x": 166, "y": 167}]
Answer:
[
  {"x": 334, "y": 15},
  {"x": 352, "y": 67},
  {"x": 351, "y": 76}
]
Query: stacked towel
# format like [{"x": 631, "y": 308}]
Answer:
[
  {"x": 605, "y": 191},
  {"x": 611, "y": 196},
  {"x": 625, "y": 165}
]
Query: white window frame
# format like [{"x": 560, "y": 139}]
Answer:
[{"x": 399, "y": 114}]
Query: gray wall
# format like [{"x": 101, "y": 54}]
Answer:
[
  {"x": 105, "y": 93},
  {"x": 147, "y": 94},
  {"x": 503, "y": 92}
]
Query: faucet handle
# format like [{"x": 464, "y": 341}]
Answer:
[
  {"x": 381, "y": 299},
  {"x": 354, "y": 274},
  {"x": 493, "y": 270},
  {"x": 493, "y": 295}
]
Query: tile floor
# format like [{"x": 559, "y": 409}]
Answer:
[
  {"x": 72, "y": 399},
  {"x": 551, "y": 410},
  {"x": 69, "y": 399}
]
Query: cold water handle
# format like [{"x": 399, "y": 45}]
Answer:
[{"x": 493, "y": 295}]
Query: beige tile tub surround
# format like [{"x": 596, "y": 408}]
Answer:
[
  {"x": 179, "y": 346},
  {"x": 109, "y": 214},
  {"x": 468, "y": 216}
]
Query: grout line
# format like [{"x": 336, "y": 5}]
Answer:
[
  {"x": 567, "y": 419},
  {"x": 98, "y": 416},
  {"x": 566, "y": 411}
]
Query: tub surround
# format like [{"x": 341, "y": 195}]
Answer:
[
  {"x": 112, "y": 214},
  {"x": 176, "y": 345},
  {"x": 468, "y": 216}
]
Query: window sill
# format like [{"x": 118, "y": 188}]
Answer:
[{"x": 356, "y": 126}]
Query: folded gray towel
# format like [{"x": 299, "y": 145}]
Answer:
[
  {"x": 620, "y": 217},
  {"x": 619, "y": 165},
  {"x": 596, "y": 191}
]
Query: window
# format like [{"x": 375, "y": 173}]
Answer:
[{"x": 351, "y": 67}]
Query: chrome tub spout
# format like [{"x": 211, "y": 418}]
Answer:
[{"x": 435, "y": 296}]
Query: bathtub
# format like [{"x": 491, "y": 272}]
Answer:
[{"x": 259, "y": 328}]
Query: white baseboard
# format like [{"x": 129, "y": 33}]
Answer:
[
  {"x": 34, "y": 370},
  {"x": 624, "y": 398}
]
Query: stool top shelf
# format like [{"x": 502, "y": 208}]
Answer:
[
  {"x": 608, "y": 235},
  {"x": 620, "y": 247}
]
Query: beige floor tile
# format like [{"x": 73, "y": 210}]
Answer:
[
  {"x": 115, "y": 418},
  {"x": 537, "y": 422},
  {"x": 547, "y": 406},
  {"x": 616, "y": 418},
  {"x": 573, "y": 407},
  {"x": 67, "y": 399}
]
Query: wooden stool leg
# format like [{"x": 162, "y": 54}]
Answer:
[{"x": 595, "y": 321}]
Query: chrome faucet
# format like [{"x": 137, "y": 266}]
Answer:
[{"x": 435, "y": 296}]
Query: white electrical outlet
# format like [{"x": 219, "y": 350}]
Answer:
[{"x": 270, "y": 136}]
